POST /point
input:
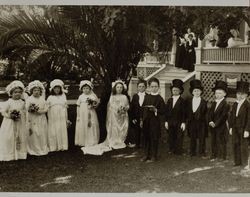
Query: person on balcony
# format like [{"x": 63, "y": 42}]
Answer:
[
  {"x": 234, "y": 40},
  {"x": 190, "y": 57},
  {"x": 180, "y": 51},
  {"x": 189, "y": 31},
  {"x": 212, "y": 37}
]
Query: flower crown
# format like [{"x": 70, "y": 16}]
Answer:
[{"x": 119, "y": 81}]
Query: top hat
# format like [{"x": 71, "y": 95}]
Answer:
[
  {"x": 220, "y": 85},
  {"x": 242, "y": 86},
  {"x": 177, "y": 83},
  {"x": 195, "y": 84}
]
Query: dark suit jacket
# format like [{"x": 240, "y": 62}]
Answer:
[
  {"x": 243, "y": 119},
  {"x": 219, "y": 117},
  {"x": 176, "y": 115},
  {"x": 152, "y": 122},
  {"x": 136, "y": 109},
  {"x": 197, "y": 117}
]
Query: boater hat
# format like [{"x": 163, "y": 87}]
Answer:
[
  {"x": 195, "y": 84},
  {"x": 242, "y": 86},
  {"x": 177, "y": 83},
  {"x": 220, "y": 85}
]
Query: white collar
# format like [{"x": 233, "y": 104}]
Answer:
[
  {"x": 241, "y": 101},
  {"x": 196, "y": 98},
  {"x": 141, "y": 93},
  {"x": 176, "y": 97},
  {"x": 219, "y": 100},
  {"x": 154, "y": 93}
]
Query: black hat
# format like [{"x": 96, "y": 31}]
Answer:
[
  {"x": 242, "y": 86},
  {"x": 195, "y": 84},
  {"x": 220, "y": 85},
  {"x": 177, "y": 83}
]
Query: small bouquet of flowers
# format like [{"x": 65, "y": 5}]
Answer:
[
  {"x": 92, "y": 103},
  {"x": 33, "y": 108},
  {"x": 122, "y": 110},
  {"x": 15, "y": 115}
]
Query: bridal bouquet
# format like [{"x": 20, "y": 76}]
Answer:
[
  {"x": 33, "y": 108},
  {"x": 122, "y": 110},
  {"x": 15, "y": 115},
  {"x": 92, "y": 103}
]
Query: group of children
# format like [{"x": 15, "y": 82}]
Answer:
[
  {"x": 26, "y": 129},
  {"x": 148, "y": 111}
]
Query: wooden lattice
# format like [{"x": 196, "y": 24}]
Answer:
[
  {"x": 245, "y": 77},
  {"x": 208, "y": 80},
  {"x": 146, "y": 71}
]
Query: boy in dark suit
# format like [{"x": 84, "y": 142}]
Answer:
[
  {"x": 175, "y": 117},
  {"x": 196, "y": 118},
  {"x": 153, "y": 113},
  {"x": 217, "y": 120},
  {"x": 239, "y": 123},
  {"x": 136, "y": 113}
]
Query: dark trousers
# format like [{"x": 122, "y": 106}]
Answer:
[
  {"x": 151, "y": 136},
  {"x": 218, "y": 143},
  {"x": 175, "y": 139},
  {"x": 151, "y": 147},
  {"x": 240, "y": 147},
  {"x": 137, "y": 135},
  {"x": 197, "y": 134}
]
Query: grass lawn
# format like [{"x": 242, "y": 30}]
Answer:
[{"x": 120, "y": 171}]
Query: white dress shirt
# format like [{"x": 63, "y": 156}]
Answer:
[
  {"x": 238, "y": 106},
  {"x": 175, "y": 98},
  {"x": 141, "y": 97},
  {"x": 196, "y": 103},
  {"x": 218, "y": 102}
]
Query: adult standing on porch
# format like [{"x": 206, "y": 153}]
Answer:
[
  {"x": 180, "y": 51},
  {"x": 190, "y": 57}
]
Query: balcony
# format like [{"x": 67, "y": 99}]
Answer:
[{"x": 215, "y": 55}]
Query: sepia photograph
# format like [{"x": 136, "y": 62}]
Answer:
[{"x": 124, "y": 98}]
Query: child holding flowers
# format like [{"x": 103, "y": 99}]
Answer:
[
  {"x": 37, "y": 121},
  {"x": 117, "y": 117},
  {"x": 87, "y": 125},
  {"x": 116, "y": 123},
  {"x": 57, "y": 117},
  {"x": 13, "y": 129}
]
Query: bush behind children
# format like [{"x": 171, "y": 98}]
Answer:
[{"x": 26, "y": 129}]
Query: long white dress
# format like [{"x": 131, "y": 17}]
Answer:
[
  {"x": 87, "y": 126},
  {"x": 38, "y": 140},
  {"x": 57, "y": 122},
  {"x": 11, "y": 130},
  {"x": 116, "y": 125}
]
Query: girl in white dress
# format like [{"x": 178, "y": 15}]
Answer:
[
  {"x": 57, "y": 117},
  {"x": 13, "y": 132},
  {"x": 87, "y": 126},
  {"x": 117, "y": 121},
  {"x": 37, "y": 121}
]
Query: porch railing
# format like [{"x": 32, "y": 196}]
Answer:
[{"x": 225, "y": 55}]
